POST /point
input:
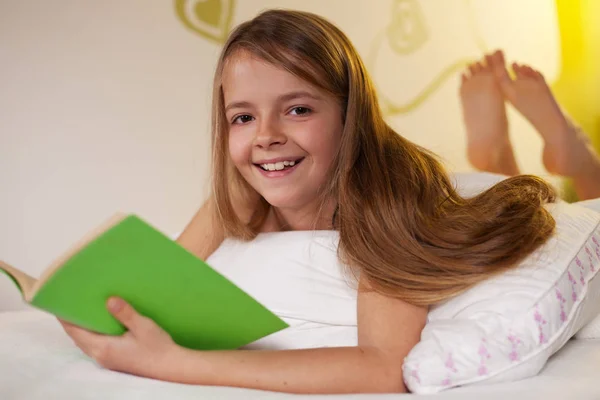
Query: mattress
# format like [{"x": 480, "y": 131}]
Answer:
[{"x": 38, "y": 361}]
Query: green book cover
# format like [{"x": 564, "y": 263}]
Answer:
[{"x": 197, "y": 306}]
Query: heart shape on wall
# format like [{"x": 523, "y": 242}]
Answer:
[{"x": 209, "y": 18}]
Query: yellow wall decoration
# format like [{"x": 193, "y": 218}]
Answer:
[
  {"x": 577, "y": 87},
  {"x": 209, "y": 18},
  {"x": 405, "y": 33},
  {"x": 407, "y": 30}
]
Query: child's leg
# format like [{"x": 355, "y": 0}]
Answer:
[
  {"x": 586, "y": 174},
  {"x": 488, "y": 145},
  {"x": 567, "y": 151}
]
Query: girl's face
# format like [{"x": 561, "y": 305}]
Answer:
[{"x": 283, "y": 132}]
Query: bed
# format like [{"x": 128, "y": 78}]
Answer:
[{"x": 38, "y": 361}]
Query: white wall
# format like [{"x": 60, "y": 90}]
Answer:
[{"x": 104, "y": 105}]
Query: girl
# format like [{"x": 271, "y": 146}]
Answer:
[{"x": 299, "y": 143}]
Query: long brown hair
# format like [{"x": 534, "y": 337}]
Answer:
[{"x": 402, "y": 224}]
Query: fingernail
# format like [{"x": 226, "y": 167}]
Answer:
[{"x": 115, "y": 304}]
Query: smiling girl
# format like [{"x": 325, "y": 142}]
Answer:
[{"x": 299, "y": 143}]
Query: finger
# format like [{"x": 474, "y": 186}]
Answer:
[
  {"x": 85, "y": 340},
  {"x": 66, "y": 324},
  {"x": 81, "y": 335},
  {"x": 126, "y": 314}
]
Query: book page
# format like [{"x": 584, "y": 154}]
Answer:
[
  {"x": 24, "y": 281},
  {"x": 114, "y": 220}
]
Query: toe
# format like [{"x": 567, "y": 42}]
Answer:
[
  {"x": 518, "y": 70},
  {"x": 539, "y": 75},
  {"x": 472, "y": 69},
  {"x": 489, "y": 61},
  {"x": 497, "y": 62},
  {"x": 501, "y": 73},
  {"x": 530, "y": 72},
  {"x": 498, "y": 57}
]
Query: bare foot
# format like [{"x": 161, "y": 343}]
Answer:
[
  {"x": 567, "y": 150},
  {"x": 488, "y": 145}
]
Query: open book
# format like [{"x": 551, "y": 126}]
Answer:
[{"x": 126, "y": 257}]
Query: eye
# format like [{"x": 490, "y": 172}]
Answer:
[
  {"x": 300, "y": 111},
  {"x": 242, "y": 119}
]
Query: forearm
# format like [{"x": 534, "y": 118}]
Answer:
[
  {"x": 327, "y": 370},
  {"x": 202, "y": 236}
]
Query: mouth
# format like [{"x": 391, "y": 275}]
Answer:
[{"x": 280, "y": 165}]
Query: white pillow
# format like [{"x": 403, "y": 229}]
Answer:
[
  {"x": 469, "y": 184},
  {"x": 297, "y": 275},
  {"x": 591, "y": 330},
  {"x": 507, "y": 327}
]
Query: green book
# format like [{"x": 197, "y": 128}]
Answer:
[{"x": 128, "y": 258}]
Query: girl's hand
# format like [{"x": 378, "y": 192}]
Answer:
[{"x": 145, "y": 349}]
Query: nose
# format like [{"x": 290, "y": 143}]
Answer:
[{"x": 269, "y": 134}]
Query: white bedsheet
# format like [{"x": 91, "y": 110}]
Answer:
[{"x": 38, "y": 361}]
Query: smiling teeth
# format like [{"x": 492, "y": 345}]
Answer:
[{"x": 278, "y": 166}]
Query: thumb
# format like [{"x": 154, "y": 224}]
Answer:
[{"x": 123, "y": 312}]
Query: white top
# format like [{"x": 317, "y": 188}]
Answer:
[{"x": 298, "y": 277}]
